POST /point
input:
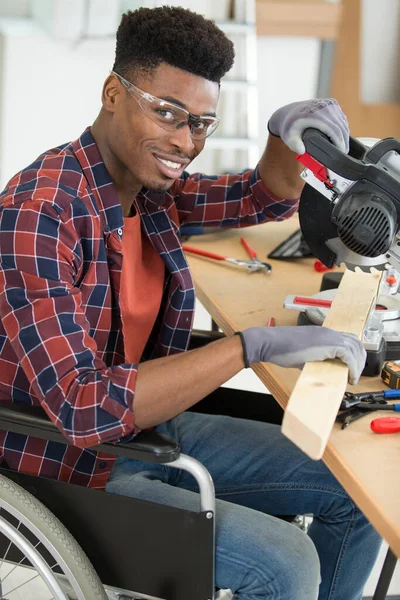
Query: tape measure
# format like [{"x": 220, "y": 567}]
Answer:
[{"x": 391, "y": 374}]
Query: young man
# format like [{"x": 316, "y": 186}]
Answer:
[{"x": 96, "y": 307}]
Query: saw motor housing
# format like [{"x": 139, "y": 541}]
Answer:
[{"x": 365, "y": 221}]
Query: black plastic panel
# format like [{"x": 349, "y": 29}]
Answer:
[{"x": 133, "y": 544}]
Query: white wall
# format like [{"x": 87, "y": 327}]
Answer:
[
  {"x": 380, "y": 51},
  {"x": 287, "y": 72},
  {"x": 50, "y": 91},
  {"x": 15, "y": 8}
]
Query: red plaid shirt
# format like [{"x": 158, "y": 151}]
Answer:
[{"x": 61, "y": 342}]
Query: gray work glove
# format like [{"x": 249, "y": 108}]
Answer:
[
  {"x": 295, "y": 346},
  {"x": 289, "y": 123}
]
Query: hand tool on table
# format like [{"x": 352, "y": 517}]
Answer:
[
  {"x": 251, "y": 266},
  {"x": 386, "y": 425},
  {"x": 253, "y": 255},
  {"x": 354, "y": 406}
]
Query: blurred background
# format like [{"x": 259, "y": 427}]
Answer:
[{"x": 55, "y": 55}]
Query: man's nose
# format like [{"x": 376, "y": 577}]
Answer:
[{"x": 182, "y": 138}]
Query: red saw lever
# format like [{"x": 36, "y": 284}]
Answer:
[{"x": 316, "y": 167}]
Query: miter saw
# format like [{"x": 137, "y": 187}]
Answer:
[
  {"x": 350, "y": 213},
  {"x": 350, "y": 206}
]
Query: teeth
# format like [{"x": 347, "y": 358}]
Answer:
[{"x": 171, "y": 165}]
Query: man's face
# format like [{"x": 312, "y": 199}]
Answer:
[{"x": 152, "y": 156}]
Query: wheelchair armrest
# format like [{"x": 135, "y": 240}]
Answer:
[
  {"x": 149, "y": 446},
  {"x": 201, "y": 337}
]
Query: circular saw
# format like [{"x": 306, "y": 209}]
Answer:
[{"x": 350, "y": 206}]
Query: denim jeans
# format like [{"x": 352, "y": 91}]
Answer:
[{"x": 257, "y": 473}]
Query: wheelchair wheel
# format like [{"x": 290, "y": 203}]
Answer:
[{"x": 39, "y": 559}]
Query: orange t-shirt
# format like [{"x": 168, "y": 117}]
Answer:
[{"x": 142, "y": 282}]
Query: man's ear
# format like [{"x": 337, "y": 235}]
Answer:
[{"x": 111, "y": 93}]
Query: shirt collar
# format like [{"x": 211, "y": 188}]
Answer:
[{"x": 94, "y": 169}]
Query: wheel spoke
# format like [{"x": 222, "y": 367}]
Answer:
[
  {"x": 32, "y": 541},
  {"x": 23, "y": 583},
  {"x": 9, "y": 546},
  {"x": 19, "y": 563}
]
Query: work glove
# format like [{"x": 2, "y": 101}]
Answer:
[
  {"x": 289, "y": 123},
  {"x": 295, "y": 346}
]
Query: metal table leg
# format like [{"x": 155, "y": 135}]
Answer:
[
  {"x": 214, "y": 326},
  {"x": 386, "y": 576}
]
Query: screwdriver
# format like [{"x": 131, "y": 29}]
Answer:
[{"x": 386, "y": 425}]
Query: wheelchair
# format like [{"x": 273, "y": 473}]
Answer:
[
  {"x": 67, "y": 542},
  {"x": 135, "y": 545}
]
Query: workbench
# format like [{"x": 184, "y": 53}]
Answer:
[{"x": 365, "y": 463}]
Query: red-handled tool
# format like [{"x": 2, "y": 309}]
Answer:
[
  {"x": 253, "y": 255},
  {"x": 248, "y": 248},
  {"x": 386, "y": 425},
  {"x": 203, "y": 252},
  {"x": 250, "y": 265}
]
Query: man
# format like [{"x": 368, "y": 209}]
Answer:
[{"x": 96, "y": 307}]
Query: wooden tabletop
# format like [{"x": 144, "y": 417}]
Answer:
[{"x": 366, "y": 464}]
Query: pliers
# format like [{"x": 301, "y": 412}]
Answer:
[
  {"x": 355, "y": 406},
  {"x": 252, "y": 266},
  {"x": 266, "y": 267}
]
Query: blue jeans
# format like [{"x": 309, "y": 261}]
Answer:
[{"x": 257, "y": 473}]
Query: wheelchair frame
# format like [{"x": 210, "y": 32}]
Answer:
[{"x": 133, "y": 544}]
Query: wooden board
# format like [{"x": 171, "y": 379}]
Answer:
[{"x": 315, "y": 400}]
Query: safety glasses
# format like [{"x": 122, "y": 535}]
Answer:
[{"x": 170, "y": 116}]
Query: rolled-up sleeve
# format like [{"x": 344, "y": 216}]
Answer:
[
  {"x": 228, "y": 201},
  {"x": 42, "y": 314}
]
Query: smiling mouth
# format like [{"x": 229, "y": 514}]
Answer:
[
  {"x": 170, "y": 164},
  {"x": 170, "y": 168}
]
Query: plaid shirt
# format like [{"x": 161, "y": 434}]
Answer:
[{"x": 61, "y": 341}]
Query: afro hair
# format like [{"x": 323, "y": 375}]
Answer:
[{"x": 184, "y": 39}]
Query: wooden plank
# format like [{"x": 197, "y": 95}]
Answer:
[
  {"x": 310, "y": 18},
  {"x": 315, "y": 400}
]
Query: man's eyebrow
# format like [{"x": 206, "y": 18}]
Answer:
[{"x": 179, "y": 103}]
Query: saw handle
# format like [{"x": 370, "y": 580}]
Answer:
[
  {"x": 389, "y": 144},
  {"x": 319, "y": 146}
]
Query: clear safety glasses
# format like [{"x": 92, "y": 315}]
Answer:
[{"x": 170, "y": 116}]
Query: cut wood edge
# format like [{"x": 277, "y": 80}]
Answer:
[
  {"x": 318, "y": 379},
  {"x": 300, "y": 434}
]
